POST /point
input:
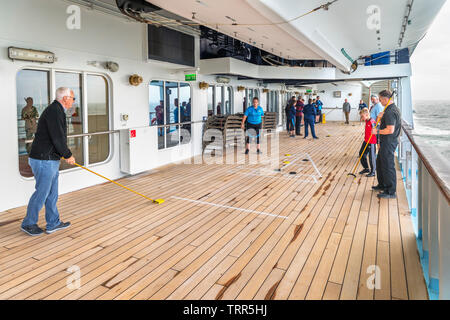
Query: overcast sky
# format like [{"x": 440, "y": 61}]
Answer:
[{"x": 431, "y": 61}]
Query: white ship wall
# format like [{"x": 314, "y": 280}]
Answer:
[
  {"x": 41, "y": 25},
  {"x": 333, "y": 106}
]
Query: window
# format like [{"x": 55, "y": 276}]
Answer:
[
  {"x": 98, "y": 117},
  {"x": 210, "y": 100},
  {"x": 33, "y": 96},
  {"x": 88, "y": 135},
  {"x": 220, "y": 100},
  {"x": 228, "y": 98},
  {"x": 171, "y": 110},
  {"x": 273, "y": 103}
]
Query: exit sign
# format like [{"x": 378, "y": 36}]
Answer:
[
  {"x": 308, "y": 91},
  {"x": 190, "y": 77}
]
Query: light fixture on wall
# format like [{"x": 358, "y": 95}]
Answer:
[
  {"x": 135, "y": 80},
  {"x": 223, "y": 80},
  {"x": 240, "y": 88},
  {"x": 203, "y": 85},
  {"x": 31, "y": 55},
  {"x": 108, "y": 65},
  {"x": 265, "y": 90}
]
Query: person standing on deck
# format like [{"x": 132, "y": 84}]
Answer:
[
  {"x": 291, "y": 117},
  {"x": 371, "y": 141},
  {"x": 298, "y": 116},
  {"x": 309, "y": 113},
  {"x": 362, "y": 105},
  {"x": 389, "y": 132},
  {"x": 346, "y": 108},
  {"x": 375, "y": 110},
  {"x": 286, "y": 111},
  {"x": 252, "y": 122},
  {"x": 49, "y": 145},
  {"x": 319, "y": 109}
]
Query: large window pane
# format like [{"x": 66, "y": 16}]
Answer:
[
  {"x": 172, "y": 103},
  {"x": 172, "y": 136},
  {"x": 218, "y": 98},
  {"x": 185, "y": 100},
  {"x": 228, "y": 99},
  {"x": 74, "y": 114},
  {"x": 76, "y": 146},
  {"x": 156, "y": 94},
  {"x": 210, "y": 101},
  {"x": 97, "y": 104},
  {"x": 32, "y": 99},
  {"x": 98, "y": 148},
  {"x": 98, "y": 117}
]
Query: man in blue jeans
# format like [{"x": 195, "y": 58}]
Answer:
[{"x": 49, "y": 145}]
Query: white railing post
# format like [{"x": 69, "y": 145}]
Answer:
[
  {"x": 420, "y": 202},
  {"x": 433, "y": 231},
  {"x": 444, "y": 248},
  {"x": 425, "y": 201},
  {"x": 414, "y": 183}
]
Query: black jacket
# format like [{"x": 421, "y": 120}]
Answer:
[{"x": 50, "y": 139}]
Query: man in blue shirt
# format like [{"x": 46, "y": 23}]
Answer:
[
  {"x": 319, "y": 109},
  {"x": 253, "y": 116},
  {"x": 376, "y": 108},
  {"x": 375, "y": 111}
]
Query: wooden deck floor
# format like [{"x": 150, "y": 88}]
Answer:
[{"x": 225, "y": 232}]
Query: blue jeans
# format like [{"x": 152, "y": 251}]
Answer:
[
  {"x": 46, "y": 174},
  {"x": 309, "y": 121}
]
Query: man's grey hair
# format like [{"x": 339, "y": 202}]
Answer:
[
  {"x": 62, "y": 92},
  {"x": 374, "y": 96}
]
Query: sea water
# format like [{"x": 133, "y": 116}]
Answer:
[{"x": 432, "y": 124}]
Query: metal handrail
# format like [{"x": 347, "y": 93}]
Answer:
[
  {"x": 442, "y": 185},
  {"x": 83, "y": 135}
]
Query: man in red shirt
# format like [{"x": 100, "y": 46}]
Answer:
[{"x": 371, "y": 147}]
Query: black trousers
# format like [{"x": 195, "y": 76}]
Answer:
[
  {"x": 253, "y": 131},
  {"x": 386, "y": 175},
  {"x": 298, "y": 121},
  {"x": 370, "y": 151}
]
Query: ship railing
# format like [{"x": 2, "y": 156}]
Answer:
[{"x": 426, "y": 177}]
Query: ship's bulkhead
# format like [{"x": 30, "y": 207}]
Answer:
[{"x": 100, "y": 56}]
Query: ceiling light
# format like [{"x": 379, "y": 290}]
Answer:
[{"x": 201, "y": 2}]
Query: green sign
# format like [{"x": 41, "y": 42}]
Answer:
[
  {"x": 308, "y": 91},
  {"x": 190, "y": 77}
]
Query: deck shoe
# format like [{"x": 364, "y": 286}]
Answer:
[
  {"x": 385, "y": 195},
  {"x": 60, "y": 226},
  {"x": 364, "y": 171},
  {"x": 32, "y": 230}
]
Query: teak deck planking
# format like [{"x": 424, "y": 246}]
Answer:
[{"x": 336, "y": 230}]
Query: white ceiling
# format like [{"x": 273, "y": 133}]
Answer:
[{"x": 319, "y": 35}]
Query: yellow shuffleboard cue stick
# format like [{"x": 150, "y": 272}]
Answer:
[{"x": 158, "y": 201}]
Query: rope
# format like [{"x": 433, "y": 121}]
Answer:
[
  {"x": 172, "y": 22},
  {"x": 120, "y": 185}
]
